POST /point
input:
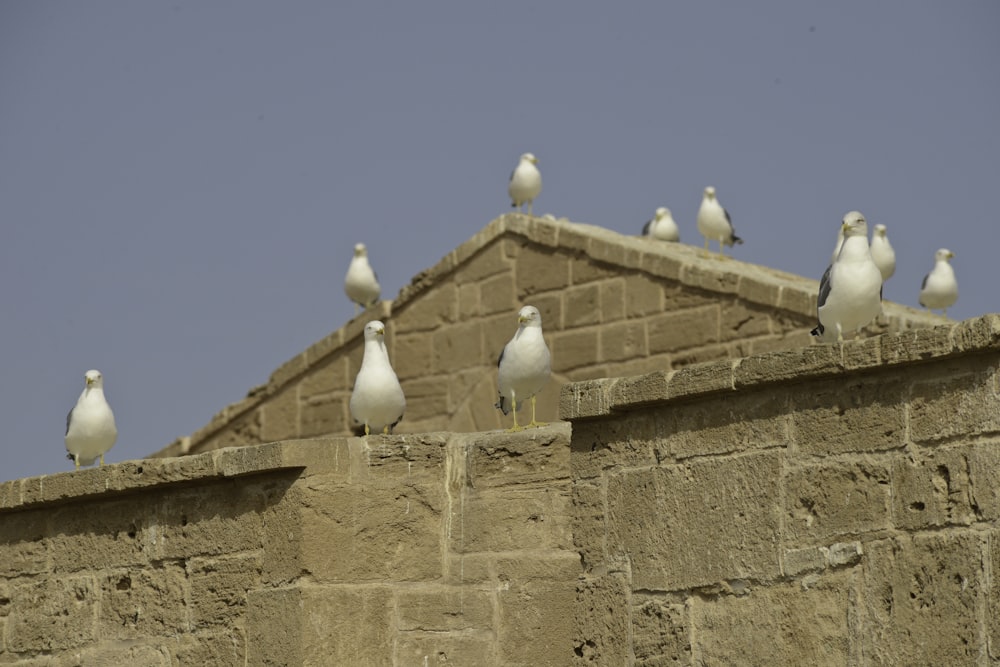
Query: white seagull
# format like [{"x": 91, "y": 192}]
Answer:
[
  {"x": 882, "y": 253},
  {"x": 377, "y": 400},
  {"x": 850, "y": 293},
  {"x": 662, "y": 226},
  {"x": 90, "y": 425},
  {"x": 714, "y": 222},
  {"x": 524, "y": 366},
  {"x": 940, "y": 289},
  {"x": 361, "y": 283},
  {"x": 525, "y": 182}
]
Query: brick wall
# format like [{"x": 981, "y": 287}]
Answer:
[
  {"x": 611, "y": 305},
  {"x": 826, "y": 506}
]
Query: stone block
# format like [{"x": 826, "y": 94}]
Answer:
[
  {"x": 52, "y": 614},
  {"x": 761, "y": 292},
  {"x": 536, "y": 621},
  {"x": 919, "y": 599},
  {"x": 739, "y": 320},
  {"x": 23, "y": 543},
  {"x": 458, "y": 347},
  {"x": 710, "y": 277},
  {"x": 431, "y": 649},
  {"x": 623, "y": 340},
  {"x": 583, "y": 305},
  {"x": 207, "y": 520},
  {"x": 601, "y": 623},
  {"x": 684, "y": 526},
  {"x": 850, "y": 414},
  {"x": 993, "y": 596},
  {"x": 280, "y": 416},
  {"x": 103, "y": 533},
  {"x": 435, "y": 307},
  {"x": 969, "y": 393},
  {"x": 497, "y": 294},
  {"x": 223, "y": 648},
  {"x": 414, "y": 356},
  {"x": 585, "y": 270},
  {"x": 830, "y": 500},
  {"x": 612, "y": 300},
  {"x": 984, "y": 477},
  {"x": 803, "y": 625},
  {"x": 426, "y": 397},
  {"x": 144, "y": 603},
  {"x": 538, "y": 455},
  {"x": 550, "y": 306},
  {"x": 469, "y": 306},
  {"x": 382, "y": 528},
  {"x": 798, "y": 300},
  {"x": 276, "y": 627},
  {"x": 932, "y": 489},
  {"x": 703, "y": 379},
  {"x": 146, "y": 655},
  {"x": 489, "y": 261},
  {"x": 589, "y": 523},
  {"x": 662, "y": 265},
  {"x": 618, "y": 441},
  {"x": 643, "y": 295},
  {"x": 683, "y": 329},
  {"x": 326, "y": 415},
  {"x": 661, "y": 632},
  {"x": 540, "y": 270},
  {"x": 799, "y": 561},
  {"x": 509, "y": 517},
  {"x": 327, "y": 377},
  {"x": 572, "y": 349},
  {"x": 445, "y": 609},
  {"x": 218, "y": 589},
  {"x": 356, "y": 627}
]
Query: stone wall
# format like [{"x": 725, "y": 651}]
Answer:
[
  {"x": 826, "y": 506},
  {"x": 611, "y": 305},
  {"x": 407, "y": 550}
]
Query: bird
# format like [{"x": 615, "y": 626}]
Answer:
[
  {"x": 662, "y": 226},
  {"x": 524, "y": 366},
  {"x": 525, "y": 182},
  {"x": 850, "y": 292},
  {"x": 90, "y": 425},
  {"x": 882, "y": 253},
  {"x": 377, "y": 400},
  {"x": 714, "y": 222},
  {"x": 361, "y": 283},
  {"x": 940, "y": 289}
]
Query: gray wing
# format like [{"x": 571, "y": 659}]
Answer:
[
  {"x": 824, "y": 287},
  {"x": 69, "y": 417},
  {"x": 647, "y": 227},
  {"x": 733, "y": 238},
  {"x": 924, "y": 283},
  {"x": 500, "y": 360}
]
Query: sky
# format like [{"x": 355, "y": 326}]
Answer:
[{"x": 182, "y": 183}]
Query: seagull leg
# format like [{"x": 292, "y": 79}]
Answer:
[
  {"x": 513, "y": 405},
  {"x": 366, "y": 430},
  {"x": 533, "y": 422},
  {"x": 385, "y": 431},
  {"x": 102, "y": 459},
  {"x": 529, "y": 209},
  {"x": 76, "y": 460}
]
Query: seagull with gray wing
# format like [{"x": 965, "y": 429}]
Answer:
[
  {"x": 714, "y": 222},
  {"x": 90, "y": 425},
  {"x": 524, "y": 366},
  {"x": 525, "y": 182}
]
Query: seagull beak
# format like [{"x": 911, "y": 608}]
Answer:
[
  {"x": 381, "y": 332},
  {"x": 89, "y": 381},
  {"x": 534, "y": 160},
  {"x": 844, "y": 226},
  {"x": 950, "y": 255}
]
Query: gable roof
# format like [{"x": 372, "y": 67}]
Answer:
[{"x": 611, "y": 305}]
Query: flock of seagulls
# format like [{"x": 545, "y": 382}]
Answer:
[{"x": 850, "y": 297}]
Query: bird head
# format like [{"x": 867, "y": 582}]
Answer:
[
  {"x": 360, "y": 250},
  {"x": 662, "y": 212},
  {"x": 943, "y": 255},
  {"x": 710, "y": 192},
  {"x": 93, "y": 379},
  {"x": 854, "y": 224},
  {"x": 529, "y": 316},
  {"x": 528, "y": 157},
  {"x": 879, "y": 230}
]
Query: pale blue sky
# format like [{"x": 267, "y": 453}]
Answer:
[{"x": 181, "y": 183}]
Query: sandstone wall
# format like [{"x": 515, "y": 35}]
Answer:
[
  {"x": 408, "y": 551},
  {"x": 611, "y": 306},
  {"x": 826, "y": 506}
]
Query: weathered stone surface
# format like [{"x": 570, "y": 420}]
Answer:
[
  {"x": 536, "y": 620},
  {"x": 457, "y": 347},
  {"x": 932, "y": 490},
  {"x": 445, "y": 609},
  {"x": 623, "y": 340},
  {"x": 275, "y": 626},
  {"x": 919, "y": 600},
  {"x": 219, "y": 587},
  {"x": 144, "y": 603},
  {"x": 971, "y": 394},
  {"x": 601, "y": 624},
  {"x": 436, "y": 650},
  {"x": 695, "y": 524},
  {"x": 661, "y": 632},
  {"x": 683, "y": 329},
  {"x": 225, "y": 648},
  {"x": 852, "y": 414},
  {"x": 803, "y": 625},
  {"x": 355, "y": 629},
  {"x": 842, "y": 498},
  {"x": 52, "y": 614},
  {"x": 23, "y": 544},
  {"x": 540, "y": 271}
]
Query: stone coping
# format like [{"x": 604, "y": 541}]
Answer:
[
  {"x": 309, "y": 456},
  {"x": 597, "y": 398},
  {"x": 680, "y": 262}
]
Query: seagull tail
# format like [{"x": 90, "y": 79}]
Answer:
[
  {"x": 818, "y": 331},
  {"x": 503, "y": 405},
  {"x": 736, "y": 241}
]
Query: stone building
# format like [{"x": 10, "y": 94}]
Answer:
[{"x": 721, "y": 490}]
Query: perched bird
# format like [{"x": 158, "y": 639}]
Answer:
[
  {"x": 882, "y": 253},
  {"x": 90, "y": 425},
  {"x": 525, "y": 182},
  {"x": 524, "y": 366},
  {"x": 377, "y": 400},
  {"x": 850, "y": 293},
  {"x": 662, "y": 226},
  {"x": 940, "y": 289},
  {"x": 361, "y": 283},
  {"x": 714, "y": 222}
]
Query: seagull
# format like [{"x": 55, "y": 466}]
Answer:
[
  {"x": 90, "y": 425},
  {"x": 714, "y": 222},
  {"x": 662, "y": 226},
  {"x": 377, "y": 400},
  {"x": 940, "y": 289},
  {"x": 524, "y": 366},
  {"x": 850, "y": 293},
  {"x": 361, "y": 283},
  {"x": 525, "y": 182},
  {"x": 882, "y": 253}
]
